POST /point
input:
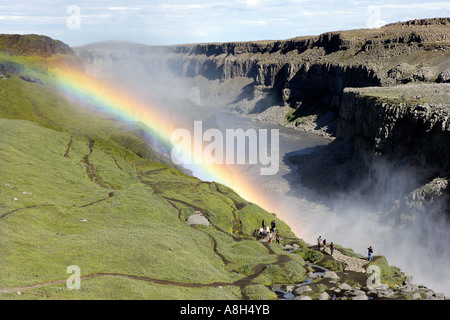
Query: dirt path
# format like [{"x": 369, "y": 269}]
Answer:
[
  {"x": 352, "y": 263},
  {"x": 91, "y": 171},
  {"x": 20, "y": 209},
  {"x": 242, "y": 283},
  {"x": 66, "y": 153}
]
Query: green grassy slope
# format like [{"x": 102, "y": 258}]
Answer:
[{"x": 78, "y": 187}]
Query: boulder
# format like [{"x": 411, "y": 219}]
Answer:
[
  {"x": 302, "y": 289},
  {"x": 443, "y": 77},
  {"x": 357, "y": 292},
  {"x": 361, "y": 297},
  {"x": 416, "y": 296},
  {"x": 324, "y": 296},
  {"x": 289, "y": 288},
  {"x": 385, "y": 293},
  {"x": 408, "y": 279},
  {"x": 197, "y": 219},
  {"x": 330, "y": 275},
  {"x": 345, "y": 287}
]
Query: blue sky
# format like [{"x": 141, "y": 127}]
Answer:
[{"x": 162, "y": 22}]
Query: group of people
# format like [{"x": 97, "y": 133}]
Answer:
[
  {"x": 323, "y": 242},
  {"x": 270, "y": 232}
]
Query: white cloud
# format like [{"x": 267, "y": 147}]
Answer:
[
  {"x": 124, "y": 8},
  {"x": 422, "y": 5}
]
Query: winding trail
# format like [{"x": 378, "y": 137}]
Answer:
[
  {"x": 91, "y": 171},
  {"x": 351, "y": 263},
  {"x": 241, "y": 283},
  {"x": 110, "y": 195},
  {"x": 25, "y": 208},
  {"x": 237, "y": 235},
  {"x": 66, "y": 153}
]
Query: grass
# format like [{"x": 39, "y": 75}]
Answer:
[
  {"x": 78, "y": 187},
  {"x": 391, "y": 275}
]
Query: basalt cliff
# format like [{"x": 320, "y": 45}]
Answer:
[
  {"x": 379, "y": 93},
  {"x": 297, "y": 82}
]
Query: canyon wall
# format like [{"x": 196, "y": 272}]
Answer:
[
  {"x": 305, "y": 83},
  {"x": 297, "y": 82},
  {"x": 416, "y": 130}
]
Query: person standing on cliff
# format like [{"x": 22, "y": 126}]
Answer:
[
  {"x": 319, "y": 242},
  {"x": 331, "y": 247},
  {"x": 324, "y": 244},
  {"x": 370, "y": 253}
]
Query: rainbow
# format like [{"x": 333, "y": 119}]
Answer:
[{"x": 113, "y": 99}]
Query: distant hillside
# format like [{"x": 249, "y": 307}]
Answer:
[{"x": 32, "y": 44}]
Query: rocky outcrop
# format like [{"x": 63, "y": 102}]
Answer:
[
  {"x": 32, "y": 44},
  {"x": 351, "y": 284},
  {"x": 415, "y": 130}
]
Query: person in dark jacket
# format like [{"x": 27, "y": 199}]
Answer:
[{"x": 370, "y": 253}]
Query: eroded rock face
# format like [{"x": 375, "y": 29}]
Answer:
[
  {"x": 409, "y": 127},
  {"x": 305, "y": 73}
]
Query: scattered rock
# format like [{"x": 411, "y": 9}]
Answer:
[
  {"x": 16, "y": 199},
  {"x": 197, "y": 219},
  {"x": 408, "y": 279},
  {"x": 302, "y": 298},
  {"x": 330, "y": 275},
  {"x": 360, "y": 297},
  {"x": 82, "y": 220},
  {"x": 416, "y": 296},
  {"x": 443, "y": 77},
  {"x": 289, "y": 288},
  {"x": 324, "y": 296},
  {"x": 302, "y": 289},
  {"x": 345, "y": 286}
]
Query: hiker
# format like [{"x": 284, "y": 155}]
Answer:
[
  {"x": 273, "y": 225},
  {"x": 263, "y": 224},
  {"x": 277, "y": 237},
  {"x": 324, "y": 244},
  {"x": 370, "y": 252},
  {"x": 319, "y": 241},
  {"x": 331, "y": 247},
  {"x": 261, "y": 232},
  {"x": 270, "y": 236}
]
